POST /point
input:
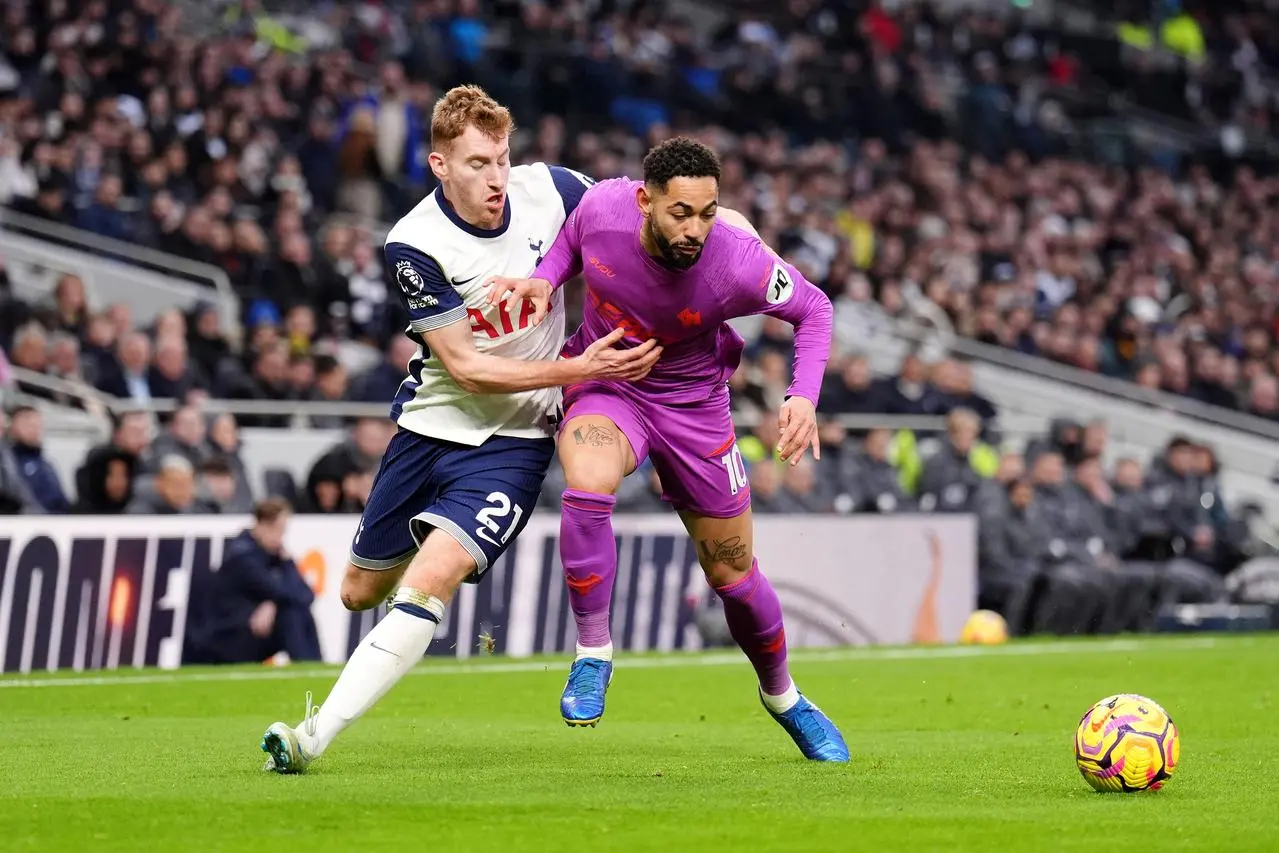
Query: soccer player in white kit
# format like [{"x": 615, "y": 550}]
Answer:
[{"x": 476, "y": 413}]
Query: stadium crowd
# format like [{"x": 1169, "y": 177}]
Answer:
[{"x": 844, "y": 136}]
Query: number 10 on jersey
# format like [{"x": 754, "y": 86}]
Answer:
[{"x": 736, "y": 468}]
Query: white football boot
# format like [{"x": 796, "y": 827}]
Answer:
[{"x": 283, "y": 743}]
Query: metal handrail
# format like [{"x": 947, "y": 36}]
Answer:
[
  {"x": 141, "y": 255},
  {"x": 178, "y": 270}
]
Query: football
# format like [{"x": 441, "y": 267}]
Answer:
[
  {"x": 1127, "y": 743},
  {"x": 984, "y": 628}
]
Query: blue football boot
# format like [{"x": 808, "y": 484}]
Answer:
[
  {"x": 583, "y": 701},
  {"x": 812, "y": 731}
]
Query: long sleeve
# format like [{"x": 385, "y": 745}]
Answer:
[
  {"x": 765, "y": 284},
  {"x": 810, "y": 312}
]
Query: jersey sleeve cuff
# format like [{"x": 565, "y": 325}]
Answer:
[{"x": 439, "y": 321}]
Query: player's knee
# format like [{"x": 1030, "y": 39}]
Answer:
[
  {"x": 360, "y": 591},
  {"x": 726, "y": 570},
  {"x": 594, "y": 475}
]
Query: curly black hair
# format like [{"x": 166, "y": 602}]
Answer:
[{"x": 680, "y": 157}]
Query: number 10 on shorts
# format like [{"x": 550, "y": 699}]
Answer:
[{"x": 736, "y": 468}]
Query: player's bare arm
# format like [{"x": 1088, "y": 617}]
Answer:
[{"x": 481, "y": 373}]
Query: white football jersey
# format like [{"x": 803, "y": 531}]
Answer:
[{"x": 440, "y": 263}]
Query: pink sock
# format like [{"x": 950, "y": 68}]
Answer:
[
  {"x": 754, "y": 615},
  {"x": 589, "y": 554}
]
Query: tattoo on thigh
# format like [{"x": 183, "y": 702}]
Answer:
[
  {"x": 595, "y": 436},
  {"x": 722, "y": 550}
]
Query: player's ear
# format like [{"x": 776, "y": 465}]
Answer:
[
  {"x": 438, "y": 166},
  {"x": 643, "y": 200}
]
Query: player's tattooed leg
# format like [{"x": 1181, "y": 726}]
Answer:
[{"x": 595, "y": 435}]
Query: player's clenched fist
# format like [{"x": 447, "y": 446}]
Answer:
[
  {"x": 535, "y": 290},
  {"x": 601, "y": 361},
  {"x": 798, "y": 422}
]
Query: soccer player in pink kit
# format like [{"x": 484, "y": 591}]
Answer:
[{"x": 658, "y": 264}]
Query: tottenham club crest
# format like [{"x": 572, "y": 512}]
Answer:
[{"x": 413, "y": 285}]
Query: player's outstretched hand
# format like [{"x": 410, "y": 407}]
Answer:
[
  {"x": 798, "y": 422},
  {"x": 535, "y": 290},
  {"x": 602, "y": 361}
]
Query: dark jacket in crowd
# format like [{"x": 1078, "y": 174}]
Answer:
[
  {"x": 872, "y": 485},
  {"x": 1013, "y": 542},
  {"x": 41, "y": 478},
  {"x": 15, "y": 494},
  {"x": 948, "y": 482},
  {"x": 1077, "y": 523}
]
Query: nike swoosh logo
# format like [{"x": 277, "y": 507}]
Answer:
[
  {"x": 460, "y": 282},
  {"x": 380, "y": 649}
]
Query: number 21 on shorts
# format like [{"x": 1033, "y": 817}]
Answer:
[
  {"x": 736, "y": 468},
  {"x": 500, "y": 506}
]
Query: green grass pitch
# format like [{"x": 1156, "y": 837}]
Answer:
[{"x": 953, "y": 749}]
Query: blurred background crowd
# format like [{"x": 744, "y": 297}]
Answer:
[{"x": 908, "y": 157}]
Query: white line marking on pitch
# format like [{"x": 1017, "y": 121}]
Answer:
[{"x": 714, "y": 659}]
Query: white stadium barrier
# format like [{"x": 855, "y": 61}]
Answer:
[{"x": 89, "y": 593}]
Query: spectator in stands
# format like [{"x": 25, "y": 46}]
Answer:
[
  {"x": 15, "y": 494},
  {"x": 171, "y": 376},
  {"x": 130, "y": 442},
  {"x": 360, "y": 191},
  {"x": 184, "y": 436},
  {"x": 104, "y": 483},
  {"x": 98, "y": 349},
  {"x": 330, "y": 387},
  {"x": 217, "y": 491},
  {"x": 380, "y": 384},
  {"x": 324, "y": 492},
  {"x": 269, "y": 381},
  {"x": 1079, "y": 597},
  {"x": 172, "y": 492},
  {"x": 129, "y": 376},
  {"x": 341, "y": 479},
  {"x": 869, "y": 481},
  {"x": 1079, "y": 514},
  {"x": 801, "y": 492},
  {"x": 1013, "y": 553},
  {"x": 207, "y": 348},
  {"x": 105, "y": 216},
  {"x": 761, "y": 443},
  {"x": 256, "y": 604},
  {"x": 68, "y": 311},
  {"x": 952, "y": 388},
  {"x": 1137, "y": 527},
  {"x": 853, "y": 390},
  {"x": 992, "y": 495},
  {"x": 1263, "y": 397},
  {"x": 31, "y": 352},
  {"x": 949, "y": 482},
  {"x": 26, "y": 440},
  {"x": 1177, "y": 497},
  {"x": 906, "y": 395},
  {"x": 1137, "y": 582},
  {"x": 766, "y": 486}
]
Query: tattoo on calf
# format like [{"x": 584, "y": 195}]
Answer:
[
  {"x": 595, "y": 436},
  {"x": 722, "y": 550}
]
